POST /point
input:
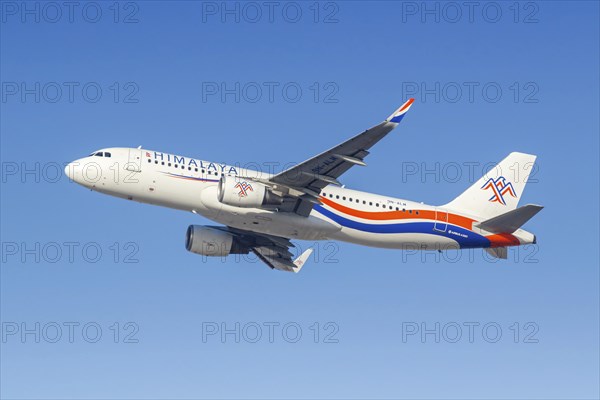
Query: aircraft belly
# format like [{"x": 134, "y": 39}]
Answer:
[
  {"x": 282, "y": 224},
  {"x": 423, "y": 241}
]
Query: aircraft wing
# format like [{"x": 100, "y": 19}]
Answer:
[
  {"x": 272, "y": 250},
  {"x": 305, "y": 180}
]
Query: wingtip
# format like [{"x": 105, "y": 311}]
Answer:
[
  {"x": 299, "y": 262},
  {"x": 407, "y": 104},
  {"x": 397, "y": 116}
]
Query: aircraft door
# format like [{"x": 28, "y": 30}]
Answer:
[
  {"x": 441, "y": 220},
  {"x": 134, "y": 162}
]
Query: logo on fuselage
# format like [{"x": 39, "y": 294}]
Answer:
[
  {"x": 244, "y": 188},
  {"x": 191, "y": 163},
  {"x": 499, "y": 187}
]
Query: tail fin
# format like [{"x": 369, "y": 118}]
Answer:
[{"x": 498, "y": 191}]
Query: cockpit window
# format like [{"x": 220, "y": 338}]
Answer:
[{"x": 100, "y": 154}]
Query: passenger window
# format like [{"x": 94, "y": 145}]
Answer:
[
  {"x": 169, "y": 164},
  {"x": 149, "y": 161},
  {"x": 330, "y": 196},
  {"x": 195, "y": 169},
  {"x": 344, "y": 198},
  {"x": 410, "y": 211},
  {"x": 370, "y": 203},
  {"x": 162, "y": 163},
  {"x": 155, "y": 161},
  {"x": 337, "y": 196},
  {"x": 376, "y": 204},
  {"x": 183, "y": 167},
  {"x": 175, "y": 165}
]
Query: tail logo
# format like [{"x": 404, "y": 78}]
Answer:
[
  {"x": 244, "y": 188},
  {"x": 499, "y": 188}
]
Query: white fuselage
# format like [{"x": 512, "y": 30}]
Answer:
[{"x": 348, "y": 215}]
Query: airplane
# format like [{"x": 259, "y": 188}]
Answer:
[{"x": 262, "y": 212}]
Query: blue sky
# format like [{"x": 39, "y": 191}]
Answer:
[{"x": 498, "y": 78}]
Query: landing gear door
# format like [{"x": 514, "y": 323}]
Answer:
[
  {"x": 441, "y": 220},
  {"x": 134, "y": 162}
]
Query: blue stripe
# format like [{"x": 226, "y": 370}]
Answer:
[
  {"x": 464, "y": 237},
  {"x": 398, "y": 118}
]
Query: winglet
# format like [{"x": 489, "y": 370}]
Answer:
[
  {"x": 397, "y": 116},
  {"x": 299, "y": 262}
]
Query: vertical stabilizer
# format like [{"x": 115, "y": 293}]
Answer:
[{"x": 498, "y": 191}]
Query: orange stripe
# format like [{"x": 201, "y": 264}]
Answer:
[
  {"x": 497, "y": 240},
  {"x": 503, "y": 239},
  {"x": 454, "y": 219},
  {"x": 408, "y": 103}
]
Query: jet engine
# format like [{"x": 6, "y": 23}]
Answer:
[
  {"x": 239, "y": 192},
  {"x": 212, "y": 242}
]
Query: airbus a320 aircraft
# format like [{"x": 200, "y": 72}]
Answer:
[{"x": 261, "y": 212}]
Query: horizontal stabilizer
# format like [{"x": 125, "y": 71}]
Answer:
[
  {"x": 510, "y": 221},
  {"x": 498, "y": 252}
]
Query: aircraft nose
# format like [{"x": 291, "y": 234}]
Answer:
[
  {"x": 69, "y": 171},
  {"x": 73, "y": 171}
]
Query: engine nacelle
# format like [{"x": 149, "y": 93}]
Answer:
[
  {"x": 238, "y": 192},
  {"x": 212, "y": 242}
]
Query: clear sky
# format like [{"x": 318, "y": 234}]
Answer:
[{"x": 100, "y": 299}]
